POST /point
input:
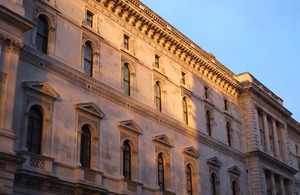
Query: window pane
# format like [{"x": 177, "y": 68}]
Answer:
[
  {"x": 41, "y": 41},
  {"x": 34, "y": 135},
  {"x": 85, "y": 147}
]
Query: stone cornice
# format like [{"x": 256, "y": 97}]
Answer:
[
  {"x": 79, "y": 78},
  {"x": 18, "y": 21},
  {"x": 276, "y": 164},
  {"x": 151, "y": 25},
  {"x": 262, "y": 94}
]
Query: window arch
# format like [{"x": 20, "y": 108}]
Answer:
[
  {"x": 41, "y": 41},
  {"x": 158, "y": 96},
  {"x": 88, "y": 59},
  {"x": 185, "y": 110},
  {"x": 228, "y": 131},
  {"x": 85, "y": 147},
  {"x": 189, "y": 182},
  {"x": 214, "y": 184},
  {"x": 161, "y": 172},
  {"x": 126, "y": 79},
  {"x": 208, "y": 122},
  {"x": 127, "y": 160},
  {"x": 35, "y": 127}
]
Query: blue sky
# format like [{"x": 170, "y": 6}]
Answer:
[{"x": 260, "y": 37}]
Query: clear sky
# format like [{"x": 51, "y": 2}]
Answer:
[{"x": 259, "y": 36}]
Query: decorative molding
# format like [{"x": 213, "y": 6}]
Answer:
[
  {"x": 191, "y": 151},
  {"x": 91, "y": 108},
  {"x": 42, "y": 87},
  {"x": 164, "y": 140},
  {"x": 214, "y": 162},
  {"x": 165, "y": 36},
  {"x": 80, "y": 79},
  {"x": 130, "y": 125},
  {"x": 234, "y": 170}
]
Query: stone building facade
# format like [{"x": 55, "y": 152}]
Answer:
[{"x": 106, "y": 97}]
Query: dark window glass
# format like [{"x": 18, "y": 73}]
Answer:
[
  {"x": 183, "y": 78},
  {"x": 89, "y": 19},
  {"x": 189, "y": 180},
  {"x": 160, "y": 172},
  {"x": 228, "y": 129},
  {"x": 185, "y": 111},
  {"x": 126, "y": 79},
  {"x": 156, "y": 63},
  {"x": 42, "y": 35},
  {"x": 127, "y": 161},
  {"x": 234, "y": 188},
  {"x": 206, "y": 94},
  {"x": 208, "y": 122},
  {"x": 213, "y": 181},
  {"x": 226, "y": 105},
  {"x": 158, "y": 96},
  {"x": 88, "y": 59},
  {"x": 126, "y": 41},
  {"x": 85, "y": 147},
  {"x": 35, "y": 126}
]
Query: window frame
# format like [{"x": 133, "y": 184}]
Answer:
[
  {"x": 157, "y": 61},
  {"x": 42, "y": 38},
  {"x": 126, "y": 41},
  {"x": 127, "y": 170},
  {"x": 88, "y": 59},
  {"x": 34, "y": 145},
  {"x": 158, "y": 96},
  {"x": 89, "y": 18},
  {"x": 85, "y": 146},
  {"x": 185, "y": 110},
  {"x": 126, "y": 78},
  {"x": 160, "y": 172},
  {"x": 189, "y": 180},
  {"x": 208, "y": 122}
]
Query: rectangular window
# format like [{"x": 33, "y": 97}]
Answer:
[
  {"x": 183, "y": 79},
  {"x": 206, "y": 94},
  {"x": 126, "y": 41},
  {"x": 156, "y": 62},
  {"x": 89, "y": 18},
  {"x": 225, "y": 105}
]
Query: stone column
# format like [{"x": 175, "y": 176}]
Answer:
[
  {"x": 284, "y": 145},
  {"x": 266, "y": 129},
  {"x": 277, "y": 153},
  {"x": 273, "y": 185},
  {"x": 281, "y": 183},
  {"x": 8, "y": 93}
]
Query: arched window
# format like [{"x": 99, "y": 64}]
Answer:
[
  {"x": 35, "y": 127},
  {"x": 208, "y": 122},
  {"x": 88, "y": 59},
  {"x": 185, "y": 110},
  {"x": 213, "y": 182},
  {"x": 126, "y": 79},
  {"x": 189, "y": 180},
  {"x": 234, "y": 188},
  {"x": 158, "y": 96},
  {"x": 85, "y": 147},
  {"x": 41, "y": 41},
  {"x": 161, "y": 170},
  {"x": 228, "y": 131},
  {"x": 127, "y": 160}
]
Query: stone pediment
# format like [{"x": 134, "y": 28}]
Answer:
[
  {"x": 191, "y": 151},
  {"x": 41, "y": 87},
  {"x": 235, "y": 170},
  {"x": 130, "y": 125},
  {"x": 214, "y": 162},
  {"x": 91, "y": 108},
  {"x": 163, "y": 139}
]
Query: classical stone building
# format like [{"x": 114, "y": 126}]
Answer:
[{"x": 106, "y": 97}]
